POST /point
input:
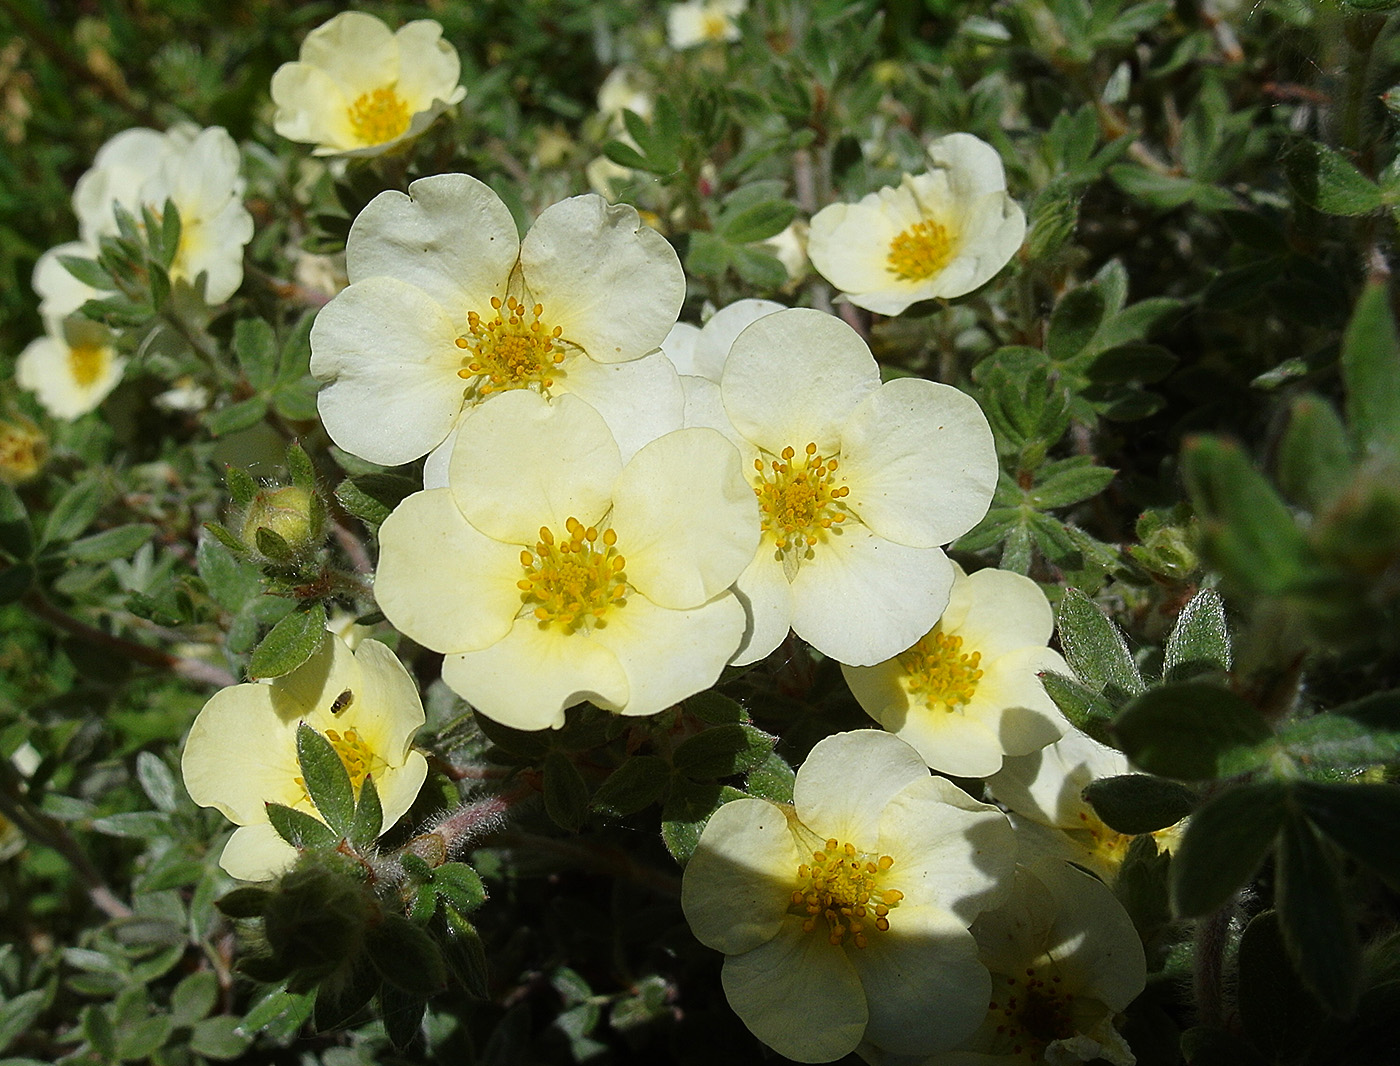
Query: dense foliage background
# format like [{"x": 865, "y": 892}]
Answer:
[{"x": 1193, "y": 374}]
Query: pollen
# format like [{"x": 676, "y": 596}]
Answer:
[
  {"x": 843, "y": 886},
  {"x": 800, "y": 499},
  {"x": 513, "y": 350},
  {"x": 573, "y": 581},
  {"x": 937, "y": 670},
  {"x": 87, "y": 362},
  {"x": 920, "y": 251},
  {"x": 378, "y": 116}
]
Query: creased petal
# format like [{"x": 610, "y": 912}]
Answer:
[
  {"x": 848, "y": 779},
  {"x": 241, "y": 719},
  {"x": 764, "y": 591},
  {"x": 640, "y": 400},
  {"x": 355, "y": 49},
  {"x": 428, "y": 66}
]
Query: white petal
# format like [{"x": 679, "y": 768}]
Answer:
[
  {"x": 355, "y": 49},
  {"x": 737, "y": 884},
  {"x": 522, "y": 462},
  {"x": 442, "y": 582},
  {"x": 429, "y": 68},
  {"x": 720, "y": 332},
  {"x": 848, "y": 779},
  {"x": 240, "y": 754},
  {"x": 611, "y": 282},
  {"x": 531, "y": 676},
  {"x": 919, "y": 460},
  {"x": 386, "y": 349},
  {"x": 686, "y": 518},
  {"x": 399, "y": 787},
  {"x": 764, "y": 591},
  {"x": 849, "y": 245},
  {"x": 793, "y": 377},
  {"x": 311, "y": 107},
  {"x": 1047, "y": 784},
  {"x": 679, "y": 347},
  {"x": 438, "y": 462},
  {"x": 1092, "y": 939},
  {"x": 451, "y": 236},
  {"x": 798, "y": 994},
  {"x": 640, "y": 400},
  {"x": 668, "y": 655},
  {"x": 256, "y": 853},
  {"x": 861, "y": 599},
  {"x": 1001, "y": 612}
]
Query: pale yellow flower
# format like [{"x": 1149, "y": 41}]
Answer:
[
  {"x": 72, "y": 369},
  {"x": 241, "y": 751},
  {"x": 844, "y": 917},
  {"x": 938, "y": 234},
  {"x": 698, "y": 22},
  {"x": 359, "y": 89}
]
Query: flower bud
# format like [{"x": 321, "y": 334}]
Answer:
[{"x": 291, "y": 512}]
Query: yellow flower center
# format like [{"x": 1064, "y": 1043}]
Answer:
[
  {"x": 920, "y": 252},
  {"x": 86, "y": 362},
  {"x": 939, "y": 671},
  {"x": 842, "y": 885},
  {"x": 799, "y": 501},
  {"x": 356, "y": 756},
  {"x": 512, "y": 351},
  {"x": 1031, "y": 1011},
  {"x": 714, "y": 26},
  {"x": 378, "y": 116},
  {"x": 574, "y": 580}
]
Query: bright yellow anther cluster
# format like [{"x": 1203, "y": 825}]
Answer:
[
  {"x": 920, "y": 252},
  {"x": 87, "y": 361},
  {"x": 1031, "y": 1011},
  {"x": 940, "y": 672},
  {"x": 799, "y": 500},
  {"x": 573, "y": 580},
  {"x": 378, "y": 116},
  {"x": 512, "y": 351},
  {"x": 842, "y": 885}
]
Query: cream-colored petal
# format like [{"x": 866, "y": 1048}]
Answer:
[
  {"x": 798, "y": 994},
  {"x": 949, "y": 850},
  {"x": 256, "y": 853},
  {"x": 443, "y": 582},
  {"x": 686, "y": 518},
  {"x": 311, "y": 107},
  {"x": 439, "y": 460},
  {"x": 993, "y": 233},
  {"x": 737, "y": 884},
  {"x": 221, "y": 264},
  {"x": 925, "y": 989},
  {"x": 59, "y": 292},
  {"x": 766, "y": 596},
  {"x": 522, "y": 462},
  {"x": 640, "y": 400},
  {"x": 1092, "y": 940},
  {"x": 241, "y": 754},
  {"x": 679, "y": 347},
  {"x": 1004, "y": 611},
  {"x": 606, "y": 278},
  {"x": 355, "y": 49},
  {"x": 704, "y": 408},
  {"x": 847, "y": 780},
  {"x": 849, "y": 245},
  {"x": 399, "y": 787},
  {"x": 919, "y": 460},
  {"x": 861, "y": 598},
  {"x": 718, "y": 336},
  {"x": 386, "y": 350},
  {"x": 384, "y": 708},
  {"x": 793, "y": 377},
  {"x": 529, "y": 678},
  {"x": 1047, "y": 785},
  {"x": 46, "y": 367},
  {"x": 666, "y": 654},
  {"x": 451, "y": 236},
  {"x": 429, "y": 68},
  {"x": 308, "y": 691}
]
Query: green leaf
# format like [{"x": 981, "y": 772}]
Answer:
[
  {"x": 640, "y": 781},
  {"x": 368, "y": 822},
  {"x": 1363, "y": 819},
  {"x": 460, "y": 886},
  {"x": 255, "y": 347},
  {"x": 232, "y": 583},
  {"x": 170, "y": 230},
  {"x": 565, "y": 791},
  {"x": 771, "y": 780},
  {"x": 280, "y": 1012},
  {"x": 1095, "y": 648},
  {"x": 1327, "y": 180},
  {"x": 237, "y": 416},
  {"x": 1314, "y": 456},
  {"x": 299, "y": 465},
  {"x": 722, "y": 750},
  {"x": 1371, "y": 372},
  {"x": 402, "y": 1013},
  {"x": 1224, "y": 844},
  {"x": 299, "y": 829},
  {"x": 1200, "y": 640},
  {"x": 1139, "y": 803},
  {"x": 624, "y": 155},
  {"x": 707, "y": 255},
  {"x": 273, "y": 545},
  {"x": 16, "y": 533},
  {"x": 244, "y": 902},
  {"x": 74, "y": 511},
  {"x": 222, "y": 1038},
  {"x": 372, "y": 497},
  {"x": 406, "y": 956},
  {"x": 686, "y": 811},
  {"x": 15, "y": 581},
  {"x": 758, "y": 222},
  {"x": 1316, "y": 921},
  {"x": 327, "y": 782},
  {"x": 464, "y": 953},
  {"x": 241, "y": 485},
  {"x": 1193, "y": 731},
  {"x": 1364, "y": 733},
  {"x": 289, "y": 643},
  {"x": 1067, "y": 485},
  {"x": 120, "y": 542},
  {"x": 17, "y": 1015},
  {"x": 759, "y": 267},
  {"x": 157, "y": 781},
  {"x": 715, "y": 708},
  {"x": 1278, "y": 1013},
  {"x": 1074, "y": 322},
  {"x": 1130, "y": 362},
  {"x": 193, "y": 997}
]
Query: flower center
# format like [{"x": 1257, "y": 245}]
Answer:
[
  {"x": 86, "y": 362},
  {"x": 799, "y": 500},
  {"x": 378, "y": 116},
  {"x": 575, "y": 580},
  {"x": 1031, "y": 1011},
  {"x": 842, "y": 885},
  {"x": 920, "y": 252},
  {"x": 714, "y": 26},
  {"x": 512, "y": 351},
  {"x": 356, "y": 756},
  {"x": 937, "y": 669}
]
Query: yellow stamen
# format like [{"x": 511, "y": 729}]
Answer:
[
  {"x": 920, "y": 251},
  {"x": 358, "y": 758},
  {"x": 573, "y": 580},
  {"x": 842, "y": 885},
  {"x": 799, "y": 500},
  {"x": 87, "y": 362},
  {"x": 379, "y": 116},
  {"x": 514, "y": 350},
  {"x": 937, "y": 670}
]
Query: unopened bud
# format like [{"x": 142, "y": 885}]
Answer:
[{"x": 291, "y": 512}]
